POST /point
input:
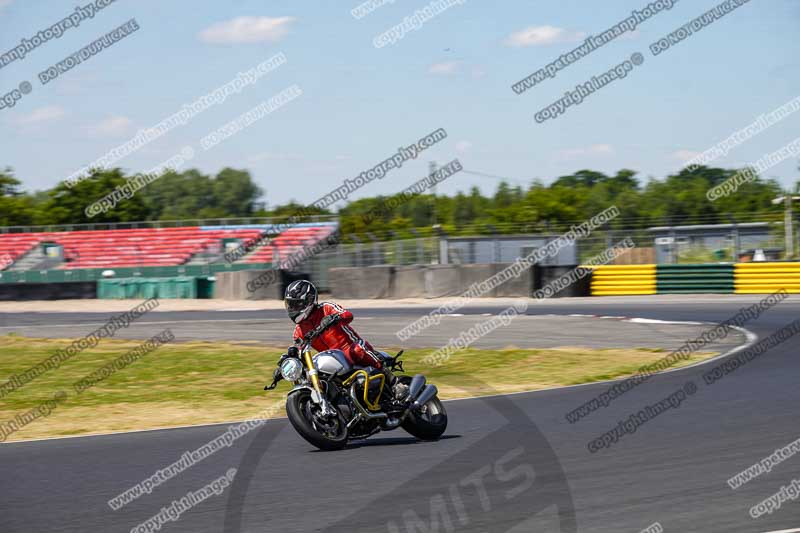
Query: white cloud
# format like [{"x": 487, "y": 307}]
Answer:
[
  {"x": 112, "y": 126},
  {"x": 43, "y": 114},
  {"x": 593, "y": 150},
  {"x": 463, "y": 146},
  {"x": 445, "y": 69},
  {"x": 247, "y": 30},
  {"x": 685, "y": 155},
  {"x": 543, "y": 35}
]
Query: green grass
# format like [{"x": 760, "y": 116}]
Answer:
[{"x": 204, "y": 382}]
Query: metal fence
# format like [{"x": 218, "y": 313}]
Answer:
[
  {"x": 424, "y": 250},
  {"x": 718, "y": 244},
  {"x": 664, "y": 245}
]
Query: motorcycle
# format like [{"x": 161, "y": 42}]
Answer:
[{"x": 333, "y": 402}]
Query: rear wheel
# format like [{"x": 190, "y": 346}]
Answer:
[
  {"x": 430, "y": 422},
  {"x": 324, "y": 433}
]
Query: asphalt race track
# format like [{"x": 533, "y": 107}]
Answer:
[
  {"x": 273, "y": 329},
  {"x": 508, "y": 463}
]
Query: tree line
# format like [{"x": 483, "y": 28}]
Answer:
[{"x": 678, "y": 198}]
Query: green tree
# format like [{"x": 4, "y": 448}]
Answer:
[
  {"x": 16, "y": 208},
  {"x": 67, "y": 205},
  {"x": 184, "y": 195},
  {"x": 235, "y": 193}
]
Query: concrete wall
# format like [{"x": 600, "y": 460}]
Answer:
[
  {"x": 233, "y": 285},
  {"x": 254, "y": 284},
  {"x": 223, "y": 285},
  {"x": 423, "y": 281},
  {"x": 442, "y": 280},
  {"x": 415, "y": 281},
  {"x": 476, "y": 274},
  {"x": 408, "y": 282},
  {"x": 522, "y": 285},
  {"x": 361, "y": 282}
]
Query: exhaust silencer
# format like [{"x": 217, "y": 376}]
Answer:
[
  {"x": 416, "y": 386},
  {"x": 429, "y": 392}
]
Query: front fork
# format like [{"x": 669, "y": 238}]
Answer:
[
  {"x": 312, "y": 372},
  {"x": 317, "y": 395}
]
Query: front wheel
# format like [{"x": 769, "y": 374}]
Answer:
[{"x": 326, "y": 434}]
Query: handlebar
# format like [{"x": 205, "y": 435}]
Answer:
[{"x": 276, "y": 377}]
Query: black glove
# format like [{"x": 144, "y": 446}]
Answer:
[{"x": 328, "y": 320}]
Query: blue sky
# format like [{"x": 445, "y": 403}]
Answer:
[{"x": 360, "y": 103}]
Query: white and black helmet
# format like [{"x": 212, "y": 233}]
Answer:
[{"x": 300, "y": 300}]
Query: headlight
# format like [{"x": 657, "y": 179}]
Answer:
[{"x": 291, "y": 369}]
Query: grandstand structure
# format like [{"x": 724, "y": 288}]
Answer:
[{"x": 153, "y": 250}]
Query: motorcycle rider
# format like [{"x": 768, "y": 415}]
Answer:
[{"x": 301, "y": 305}]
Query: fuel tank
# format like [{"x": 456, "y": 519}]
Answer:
[{"x": 332, "y": 362}]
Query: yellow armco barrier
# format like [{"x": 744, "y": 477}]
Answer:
[
  {"x": 763, "y": 278},
  {"x": 623, "y": 280}
]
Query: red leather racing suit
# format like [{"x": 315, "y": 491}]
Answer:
[{"x": 339, "y": 336}]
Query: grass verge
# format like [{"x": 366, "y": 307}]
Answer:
[{"x": 204, "y": 382}]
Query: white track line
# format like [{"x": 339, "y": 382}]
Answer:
[
  {"x": 655, "y": 321},
  {"x": 78, "y": 324},
  {"x": 785, "y": 531},
  {"x": 752, "y": 338}
]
